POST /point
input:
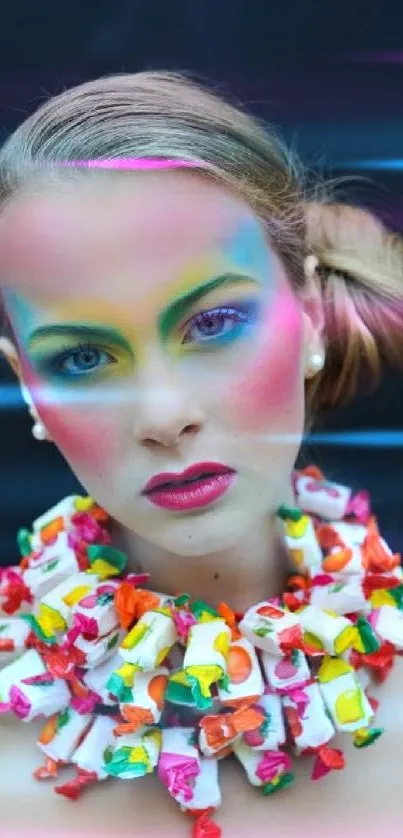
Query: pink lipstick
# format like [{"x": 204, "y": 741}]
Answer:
[{"x": 194, "y": 488}]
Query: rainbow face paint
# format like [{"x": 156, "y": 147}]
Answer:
[{"x": 140, "y": 320}]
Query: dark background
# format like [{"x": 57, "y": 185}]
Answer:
[{"x": 329, "y": 74}]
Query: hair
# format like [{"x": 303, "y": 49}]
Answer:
[{"x": 169, "y": 116}]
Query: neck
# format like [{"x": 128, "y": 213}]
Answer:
[{"x": 254, "y": 569}]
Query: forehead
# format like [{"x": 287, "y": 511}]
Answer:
[{"x": 126, "y": 232}]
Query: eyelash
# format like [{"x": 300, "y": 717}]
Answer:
[{"x": 239, "y": 317}]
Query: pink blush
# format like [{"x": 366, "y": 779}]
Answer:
[
  {"x": 84, "y": 436},
  {"x": 268, "y": 387}
]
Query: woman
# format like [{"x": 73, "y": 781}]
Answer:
[{"x": 177, "y": 313}]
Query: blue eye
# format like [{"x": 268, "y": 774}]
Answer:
[
  {"x": 78, "y": 361},
  {"x": 219, "y": 325}
]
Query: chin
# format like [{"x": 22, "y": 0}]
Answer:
[{"x": 211, "y": 531}]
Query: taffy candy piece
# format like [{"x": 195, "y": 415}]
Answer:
[
  {"x": 302, "y": 543},
  {"x": 56, "y": 563},
  {"x": 327, "y": 632},
  {"x": 96, "y": 679},
  {"x": 219, "y": 731},
  {"x": 206, "y": 789},
  {"x": 134, "y": 754},
  {"x": 343, "y": 695},
  {"x": 269, "y": 770},
  {"x": 341, "y": 597},
  {"x": 243, "y": 679},
  {"x": 286, "y": 673},
  {"x": 14, "y": 593},
  {"x": 14, "y": 633},
  {"x": 90, "y": 753},
  {"x": 272, "y": 628},
  {"x": 270, "y": 735},
  {"x": 98, "y": 605},
  {"x": 205, "y": 661},
  {"x": 148, "y": 643},
  {"x": 62, "y": 733},
  {"x": 179, "y": 763},
  {"x": 58, "y": 518},
  {"x": 387, "y": 622},
  {"x": 308, "y": 722},
  {"x": 319, "y": 497},
  {"x": 56, "y": 607},
  {"x": 146, "y": 702},
  {"x": 28, "y": 689},
  {"x": 98, "y": 651}
]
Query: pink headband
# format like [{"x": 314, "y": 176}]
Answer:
[{"x": 133, "y": 164}]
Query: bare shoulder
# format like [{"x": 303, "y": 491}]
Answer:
[{"x": 363, "y": 798}]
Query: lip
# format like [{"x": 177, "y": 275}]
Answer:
[{"x": 195, "y": 487}]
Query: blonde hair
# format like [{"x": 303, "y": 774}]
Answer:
[{"x": 165, "y": 115}]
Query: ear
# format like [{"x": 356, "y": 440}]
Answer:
[{"x": 313, "y": 318}]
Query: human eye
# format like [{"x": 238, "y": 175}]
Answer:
[
  {"x": 219, "y": 325},
  {"x": 76, "y": 362}
]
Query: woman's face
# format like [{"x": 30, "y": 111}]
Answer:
[{"x": 157, "y": 330}]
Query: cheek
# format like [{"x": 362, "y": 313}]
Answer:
[
  {"x": 85, "y": 437},
  {"x": 269, "y": 389}
]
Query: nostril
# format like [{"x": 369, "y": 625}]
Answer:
[{"x": 190, "y": 429}]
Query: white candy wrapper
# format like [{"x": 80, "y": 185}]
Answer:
[
  {"x": 59, "y": 602},
  {"x": 387, "y": 622},
  {"x": 150, "y": 640},
  {"x": 66, "y": 509},
  {"x": 206, "y": 791},
  {"x": 147, "y": 700},
  {"x": 319, "y": 497},
  {"x": 179, "y": 763},
  {"x": 303, "y": 545},
  {"x": 343, "y": 695},
  {"x": 98, "y": 607},
  {"x": 271, "y": 734},
  {"x": 205, "y": 660},
  {"x": 55, "y": 563},
  {"x": 265, "y": 769},
  {"x": 334, "y": 634},
  {"x": 286, "y": 673},
  {"x": 14, "y": 633},
  {"x": 134, "y": 754},
  {"x": 43, "y": 697},
  {"x": 98, "y": 651},
  {"x": 244, "y": 677},
  {"x": 96, "y": 679},
  {"x": 271, "y": 628},
  {"x": 61, "y": 735},
  {"x": 90, "y": 754},
  {"x": 342, "y": 597},
  {"x": 309, "y": 723}
]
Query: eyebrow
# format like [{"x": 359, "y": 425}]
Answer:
[
  {"x": 80, "y": 330},
  {"x": 167, "y": 320},
  {"x": 175, "y": 311}
]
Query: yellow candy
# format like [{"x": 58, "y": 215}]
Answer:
[
  {"x": 127, "y": 672},
  {"x": 162, "y": 655},
  {"x": 140, "y": 754},
  {"x": 312, "y": 640},
  {"x": 134, "y": 636},
  {"x": 345, "y": 640},
  {"x": 332, "y": 668},
  {"x": 50, "y": 620},
  {"x": 205, "y": 676},
  {"x": 381, "y": 597},
  {"x": 84, "y": 504},
  {"x": 76, "y": 594},
  {"x": 348, "y": 707},
  {"x": 221, "y": 643},
  {"x": 104, "y": 569},
  {"x": 296, "y": 529}
]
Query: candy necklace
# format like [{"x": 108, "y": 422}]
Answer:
[{"x": 131, "y": 681}]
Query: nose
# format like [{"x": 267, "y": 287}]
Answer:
[{"x": 165, "y": 412}]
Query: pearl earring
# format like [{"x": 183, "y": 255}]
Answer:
[
  {"x": 316, "y": 362},
  {"x": 39, "y": 431}
]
